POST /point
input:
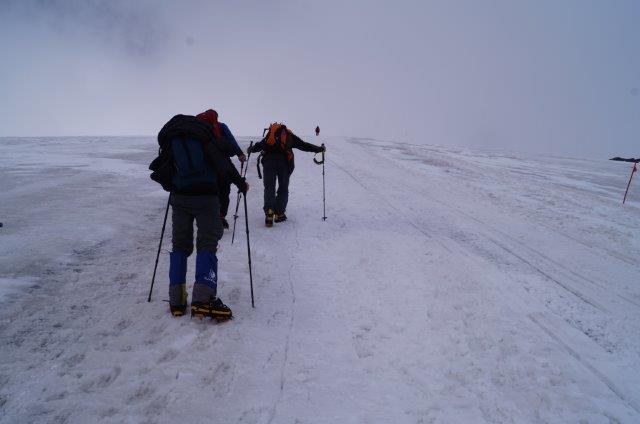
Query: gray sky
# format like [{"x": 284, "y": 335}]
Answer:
[{"x": 550, "y": 76}]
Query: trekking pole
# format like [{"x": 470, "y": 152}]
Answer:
[
  {"x": 241, "y": 168},
  {"x": 324, "y": 203},
  {"x": 153, "y": 279},
  {"x": 235, "y": 215},
  {"x": 246, "y": 224},
  {"x": 633, "y": 171},
  {"x": 324, "y": 197}
]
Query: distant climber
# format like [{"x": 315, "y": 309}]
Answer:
[{"x": 317, "y": 131}]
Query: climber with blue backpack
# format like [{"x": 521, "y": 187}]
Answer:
[
  {"x": 230, "y": 146},
  {"x": 193, "y": 158}
]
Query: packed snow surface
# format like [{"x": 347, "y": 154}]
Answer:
[{"x": 446, "y": 286}]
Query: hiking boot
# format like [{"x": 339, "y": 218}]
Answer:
[
  {"x": 225, "y": 224},
  {"x": 268, "y": 220},
  {"x": 280, "y": 217},
  {"x": 177, "y": 299},
  {"x": 204, "y": 300},
  {"x": 213, "y": 309},
  {"x": 177, "y": 310},
  {"x": 177, "y": 285}
]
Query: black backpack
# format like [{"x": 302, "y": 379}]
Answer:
[
  {"x": 162, "y": 169},
  {"x": 181, "y": 164}
]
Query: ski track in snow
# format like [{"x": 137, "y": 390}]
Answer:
[
  {"x": 568, "y": 273},
  {"x": 285, "y": 355},
  {"x": 447, "y": 286}
]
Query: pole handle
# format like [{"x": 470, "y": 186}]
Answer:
[
  {"x": 248, "y": 157},
  {"x": 319, "y": 162}
]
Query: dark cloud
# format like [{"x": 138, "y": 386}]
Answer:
[{"x": 137, "y": 28}]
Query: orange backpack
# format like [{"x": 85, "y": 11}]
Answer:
[{"x": 277, "y": 138}]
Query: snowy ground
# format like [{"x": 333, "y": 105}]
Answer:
[{"x": 447, "y": 286}]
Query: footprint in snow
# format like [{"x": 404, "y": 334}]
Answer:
[
  {"x": 156, "y": 407},
  {"x": 56, "y": 396},
  {"x": 234, "y": 295},
  {"x": 143, "y": 392},
  {"x": 360, "y": 345},
  {"x": 303, "y": 375},
  {"x": 254, "y": 416},
  {"x": 123, "y": 280},
  {"x": 277, "y": 317},
  {"x": 167, "y": 356},
  {"x": 155, "y": 335},
  {"x": 122, "y": 325},
  {"x": 219, "y": 380},
  {"x": 62, "y": 417},
  {"x": 108, "y": 413},
  {"x": 4, "y": 380},
  {"x": 74, "y": 360},
  {"x": 361, "y": 341},
  {"x": 102, "y": 381}
]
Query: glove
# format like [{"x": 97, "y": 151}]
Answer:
[
  {"x": 242, "y": 158},
  {"x": 323, "y": 148},
  {"x": 243, "y": 187}
]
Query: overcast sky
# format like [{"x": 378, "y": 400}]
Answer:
[{"x": 558, "y": 77}]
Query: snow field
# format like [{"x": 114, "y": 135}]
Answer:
[{"x": 446, "y": 286}]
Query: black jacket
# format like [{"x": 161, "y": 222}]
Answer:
[
  {"x": 186, "y": 125},
  {"x": 293, "y": 142}
]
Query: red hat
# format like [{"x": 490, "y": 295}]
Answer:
[{"x": 211, "y": 116}]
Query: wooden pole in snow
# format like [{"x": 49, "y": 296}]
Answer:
[{"x": 633, "y": 171}]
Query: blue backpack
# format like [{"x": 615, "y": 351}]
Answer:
[{"x": 193, "y": 174}]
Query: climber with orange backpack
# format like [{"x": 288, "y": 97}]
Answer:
[{"x": 276, "y": 156}]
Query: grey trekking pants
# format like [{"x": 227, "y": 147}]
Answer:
[
  {"x": 276, "y": 167},
  {"x": 206, "y": 212}
]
